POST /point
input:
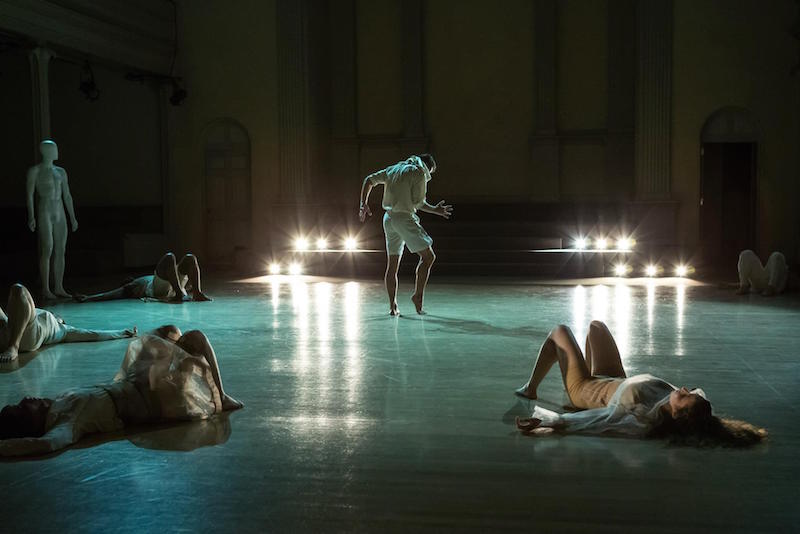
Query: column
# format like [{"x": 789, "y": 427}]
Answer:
[
  {"x": 544, "y": 142},
  {"x": 40, "y": 68},
  {"x": 653, "y": 99},
  {"x": 293, "y": 101}
]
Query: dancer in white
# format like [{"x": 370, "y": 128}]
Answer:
[
  {"x": 169, "y": 283},
  {"x": 768, "y": 280},
  {"x": 164, "y": 377},
  {"x": 611, "y": 403},
  {"x": 405, "y": 186},
  {"x": 27, "y": 328},
  {"x": 48, "y": 184}
]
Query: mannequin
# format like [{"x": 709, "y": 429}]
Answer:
[{"x": 49, "y": 183}]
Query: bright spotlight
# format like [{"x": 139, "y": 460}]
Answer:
[
  {"x": 350, "y": 243},
  {"x": 601, "y": 244},
  {"x": 681, "y": 270},
  {"x": 322, "y": 244},
  {"x": 624, "y": 243},
  {"x": 301, "y": 244},
  {"x": 274, "y": 268},
  {"x": 651, "y": 270},
  {"x": 620, "y": 269},
  {"x": 581, "y": 243},
  {"x": 295, "y": 268}
]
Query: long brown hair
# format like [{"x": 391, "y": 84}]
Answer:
[{"x": 699, "y": 428}]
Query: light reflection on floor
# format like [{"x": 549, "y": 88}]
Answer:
[{"x": 355, "y": 420}]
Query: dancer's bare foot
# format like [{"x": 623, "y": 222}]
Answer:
[
  {"x": 393, "y": 309},
  {"x": 78, "y": 297},
  {"x": 9, "y": 355},
  {"x": 417, "y": 300},
  {"x": 769, "y": 291},
  {"x": 62, "y": 293},
  {"x": 48, "y": 295},
  {"x": 199, "y": 296},
  {"x": 525, "y": 391},
  {"x": 743, "y": 290},
  {"x": 229, "y": 403}
]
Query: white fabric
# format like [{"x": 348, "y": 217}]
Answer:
[
  {"x": 83, "y": 411},
  {"x": 159, "y": 288},
  {"x": 404, "y": 229},
  {"x": 43, "y": 329},
  {"x": 633, "y": 410},
  {"x": 752, "y": 273},
  {"x": 176, "y": 384},
  {"x": 405, "y": 185}
]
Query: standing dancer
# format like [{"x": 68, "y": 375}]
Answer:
[{"x": 405, "y": 185}]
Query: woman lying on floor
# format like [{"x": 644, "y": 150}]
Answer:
[
  {"x": 639, "y": 406},
  {"x": 164, "y": 377},
  {"x": 27, "y": 328}
]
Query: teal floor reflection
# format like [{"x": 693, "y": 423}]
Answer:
[{"x": 357, "y": 421}]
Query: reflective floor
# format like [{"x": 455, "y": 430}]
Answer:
[{"x": 356, "y": 421}]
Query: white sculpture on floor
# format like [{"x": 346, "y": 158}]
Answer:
[{"x": 49, "y": 183}]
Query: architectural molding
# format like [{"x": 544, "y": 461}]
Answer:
[{"x": 138, "y": 34}]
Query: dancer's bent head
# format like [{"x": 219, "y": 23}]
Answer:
[
  {"x": 170, "y": 332},
  {"x": 25, "y": 419},
  {"x": 429, "y": 162}
]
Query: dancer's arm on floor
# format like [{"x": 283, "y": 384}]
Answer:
[
  {"x": 114, "y": 294},
  {"x": 57, "y": 438},
  {"x": 74, "y": 334}
]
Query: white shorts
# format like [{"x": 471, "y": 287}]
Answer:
[
  {"x": 403, "y": 228},
  {"x": 43, "y": 329}
]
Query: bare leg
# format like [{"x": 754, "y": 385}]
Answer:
[
  {"x": 167, "y": 269},
  {"x": 21, "y": 311},
  {"x": 196, "y": 343},
  {"x": 76, "y": 335},
  {"x": 191, "y": 268},
  {"x": 426, "y": 259},
  {"x": 45, "y": 251},
  {"x": 59, "y": 250},
  {"x": 392, "y": 264},
  {"x": 559, "y": 346},
  {"x": 602, "y": 354}
]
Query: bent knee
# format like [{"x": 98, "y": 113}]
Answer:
[
  {"x": 561, "y": 331},
  {"x": 427, "y": 257},
  {"x": 598, "y": 324},
  {"x": 747, "y": 254},
  {"x": 777, "y": 257}
]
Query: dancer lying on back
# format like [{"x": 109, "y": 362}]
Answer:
[
  {"x": 639, "y": 406},
  {"x": 26, "y": 328},
  {"x": 164, "y": 377},
  {"x": 169, "y": 282}
]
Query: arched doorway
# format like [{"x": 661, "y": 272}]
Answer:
[
  {"x": 728, "y": 187},
  {"x": 227, "y": 191}
]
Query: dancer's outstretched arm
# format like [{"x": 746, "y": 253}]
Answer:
[
  {"x": 74, "y": 334},
  {"x": 114, "y": 294},
  {"x": 57, "y": 438}
]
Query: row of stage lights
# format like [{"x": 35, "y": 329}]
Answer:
[
  {"x": 624, "y": 244},
  {"x": 652, "y": 270},
  {"x": 302, "y": 244}
]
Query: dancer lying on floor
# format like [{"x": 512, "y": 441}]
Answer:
[
  {"x": 640, "y": 406},
  {"x": 164, "y": 377},
  {"x": 169, "y": 282},
  {"x": 27, "y": 328}
]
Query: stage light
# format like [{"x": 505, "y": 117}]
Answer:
[
  {"x": 322, "y": 244},
  {"x": 601, "y": 244},
  {"x": 274, "y": 268},
  {"x": 624, "y": 243},
  {"x": 681, "y": 270},
  {"x": 350, "y": 243},
  {"x": 295, "y": 269},
  {"x": 620, "y": 269},
  {"x": 581, "y": 243},
  {"x": 301, "y": 244},
  {"x": 651, "y": 270}
]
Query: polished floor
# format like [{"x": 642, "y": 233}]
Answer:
[{"x": 356, "y": 421}]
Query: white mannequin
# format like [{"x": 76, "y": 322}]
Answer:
[{"x": 52, "y": 192}]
